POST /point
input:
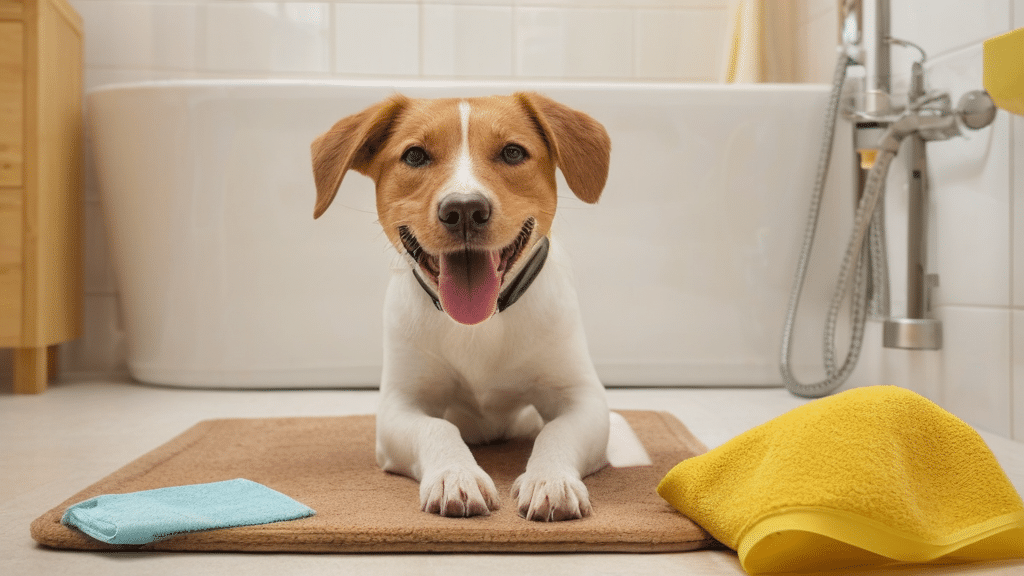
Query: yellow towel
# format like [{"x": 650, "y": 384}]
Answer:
[{"x": 870, "y": 476}]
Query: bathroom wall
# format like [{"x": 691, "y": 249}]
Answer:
[
  {"x": 976, "y": 221},
  {"x": 607, "y": 39},
  {"x": 1016, "y": 176}
]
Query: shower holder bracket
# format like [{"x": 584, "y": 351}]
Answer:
[{"x": 912, "y": 333}]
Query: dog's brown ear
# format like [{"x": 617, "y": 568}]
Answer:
[
  {"x": 350, "y": 144},
  {"x": 580, "y": 144}
]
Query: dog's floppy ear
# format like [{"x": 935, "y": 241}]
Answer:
[
  {"x": 580, "y": 144},
  {"x": 350, "y": 144}
]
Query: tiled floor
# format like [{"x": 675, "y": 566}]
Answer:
[{"x": 55, "y": 444}]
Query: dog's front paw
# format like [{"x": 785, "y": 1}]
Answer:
[
  {"x": 551, "y": 498},
  {"x": 459, "y": 492}
]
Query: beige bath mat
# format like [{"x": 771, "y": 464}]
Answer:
[{"x": 328, "y": 464}]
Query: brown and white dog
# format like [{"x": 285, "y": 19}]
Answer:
[{"x": 466, "y": 193}]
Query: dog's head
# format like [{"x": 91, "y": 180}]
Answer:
[{"x": 465, "y": 187}]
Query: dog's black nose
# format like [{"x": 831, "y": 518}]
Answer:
[{"x": 461, "y": 212}]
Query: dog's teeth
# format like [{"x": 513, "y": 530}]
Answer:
[
  {"x": 412, "y": 246},
  {"x": 512, "y": 250}
]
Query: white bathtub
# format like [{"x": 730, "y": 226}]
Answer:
[{"x": 683, "y": 268}]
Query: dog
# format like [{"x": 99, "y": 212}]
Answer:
[{"x": 483, "y": 340}]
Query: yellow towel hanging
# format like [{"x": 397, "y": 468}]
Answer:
[
  {"x": 745, "y": 49},
  {"x": 1003, "y": 63},
  {"x": 761, "y": 42}
]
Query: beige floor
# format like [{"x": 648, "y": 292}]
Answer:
[{"x": 53, "y": 445}]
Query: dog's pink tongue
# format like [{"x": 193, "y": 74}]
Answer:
[{"x": 469, "y": 284}]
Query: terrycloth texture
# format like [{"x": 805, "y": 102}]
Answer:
[
  {"x": 329, "y": 465},
  {"x": 870, "y": 476},
  {"x": 150, "y": 515}
]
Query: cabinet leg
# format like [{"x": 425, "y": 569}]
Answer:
[
  {"x": 52, "y": 362},
  {"x": 30, "y": 370}
]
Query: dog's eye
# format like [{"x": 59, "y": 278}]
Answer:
[
  {"x": 513, "y": 154},
  {"x": 416, "y": 157}
]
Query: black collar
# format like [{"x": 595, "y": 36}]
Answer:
[{"x": 515, "y": 288}]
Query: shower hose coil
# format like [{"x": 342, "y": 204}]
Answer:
[{"x": 865, "y": 252}]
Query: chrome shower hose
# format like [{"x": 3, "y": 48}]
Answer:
[{"x": 862, "y": 252}]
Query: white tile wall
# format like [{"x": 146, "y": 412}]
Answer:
[
  {"x": 607, "y": 39},
  {"x": 575, "y": 43},
  {"x": 598, "y": 4},
  {"x": 1017, "y": 178},
  {"x": 1017, "y": 203},
  {"x": 140, "y": 34},
  {"x": 377, "y": 39},
  {"x": 976, "y": 366},
  {"x": 680, "y": 44},
  {"x": 1017, "y": 371},
  {"x": 941, "y": 26},
  {"x": 267, "y": 37},
  {"x": 971, "y": 192},
  {"x": 467, "y": 40},
  {"x": 977, "y": 239},
  {"x": 541, "y": 37}
]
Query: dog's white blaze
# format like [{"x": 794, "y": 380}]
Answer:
[
  {"x": 463, "y": 180},
  {"x": 464, "y": 110}
]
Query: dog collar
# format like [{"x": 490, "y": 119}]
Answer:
[{"x": 515, "y": 288}]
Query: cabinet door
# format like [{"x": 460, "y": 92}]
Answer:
[
  {"x": 11, "y": 103},
  {"x": 53, "y": 201},
  {"x": 11, "y": 272}
]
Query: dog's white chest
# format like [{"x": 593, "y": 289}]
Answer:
[{"x": 499, "y": 364}]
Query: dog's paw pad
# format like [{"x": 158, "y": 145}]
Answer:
[
  {"x": 459, "y": 493},
  {"x": 551, "y": 499}
]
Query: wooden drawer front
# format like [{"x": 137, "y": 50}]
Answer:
[
  {"x": 11, "y": 271},
  {"x": 11, "y": 8},
  {"x": 11, "y": 102}
]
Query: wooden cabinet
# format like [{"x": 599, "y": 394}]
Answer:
[{"x": 40, "y": 183}]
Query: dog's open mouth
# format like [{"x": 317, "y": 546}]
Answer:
[{"x": 468, "y": 281}]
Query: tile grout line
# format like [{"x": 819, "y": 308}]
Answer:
[
  {"x": 420, "y": 28},
  {"x": 1013, "y": 332},
  {"x": 1016, "y": 428},
  {"x": 1012, "y": 169},
  {"x": 332, "y": 40}
]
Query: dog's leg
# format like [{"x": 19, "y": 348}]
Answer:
[
  {"x": 431, "y": 450},
  {"x": 571, "y": 445}
]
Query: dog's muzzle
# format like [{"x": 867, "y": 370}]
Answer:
[{"x": 470, "y": 285}]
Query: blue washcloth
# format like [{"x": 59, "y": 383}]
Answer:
[{"x": 150, "y": 515}]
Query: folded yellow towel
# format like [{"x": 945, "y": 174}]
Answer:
[{"x": 871, "y": 476}]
